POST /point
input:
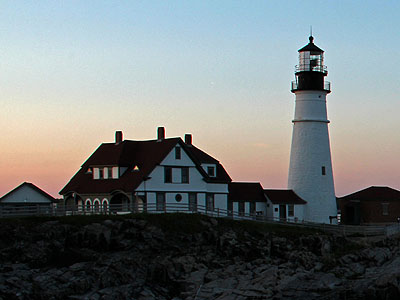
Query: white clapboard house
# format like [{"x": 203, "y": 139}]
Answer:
[{"x": 157, "y": 174}]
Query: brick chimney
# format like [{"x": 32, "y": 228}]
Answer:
[
  {"x": 160, "y": 133},
  {"x": 118, "y": 137},
  {"x": 188, "y": 139}
]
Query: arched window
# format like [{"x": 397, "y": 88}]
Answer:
[
  {"x": 96, "y": 204},
  {"x": 105, "y": 205},
  {"x": 88, "y": 204}
]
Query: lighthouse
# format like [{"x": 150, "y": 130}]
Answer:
[{"x": 310, "y": 169}]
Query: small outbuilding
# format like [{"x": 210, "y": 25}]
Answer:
[
  {"x": 373, "y": 205},
  {"x": 26, "y": 196}
]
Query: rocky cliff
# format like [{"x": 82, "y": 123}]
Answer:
[{"x": 180, "y": 256}]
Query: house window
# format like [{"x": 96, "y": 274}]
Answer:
[
  {"x": 276, "y": 209},
  {"x": 89, "y": 171},
  {"x": 88, "y": 204},
  {"x": 101, "y": 173},
  {"x": 96, "y": 204},
  {"x": 105, "y": 204},
  {"x": 167, "y": 174},
  {"x": 178, "y": 197},
  {"x": 210, "y": 202},
  {"x": 230, "y": 208},
  {"x": 291, "y": 210},
  {"x": 211, "y": 171},
  {"x": 385, "y": 209},
  {"x": 323, "y": 169},
  {"x": 185, "y": 175},
  {"x": 241, "y": 208},
  {"x": 160, "y": 201},
  {"x": 192, "y": 201},
  {"x": 177, "y": 153},
  {"x": 252, "y": 208},
  {"x": 110, "y": 173}
]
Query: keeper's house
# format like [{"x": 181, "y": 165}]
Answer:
[{"x": 151, "y": 174}]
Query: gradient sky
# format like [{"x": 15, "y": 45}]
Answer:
[{"x": 74, "y": 72}]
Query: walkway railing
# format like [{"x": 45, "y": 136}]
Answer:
[{"x": 120, "y": 209}]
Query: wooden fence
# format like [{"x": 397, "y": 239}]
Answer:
[{"x": 8, "y": 211}]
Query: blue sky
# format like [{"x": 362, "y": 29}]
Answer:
[{"x": 73, "y": 72}]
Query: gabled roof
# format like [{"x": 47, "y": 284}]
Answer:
[
  {"x": 31, "y": 186},
  {"x": 200, "y": 157},
  {"x": 382, "y": 193},
  {"x": 284, "y": 197},
  {"x": 146, "y": 155},
  {"x": 246, "y": 191}
]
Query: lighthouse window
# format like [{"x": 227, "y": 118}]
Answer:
[{"x": 323, "y": 171}]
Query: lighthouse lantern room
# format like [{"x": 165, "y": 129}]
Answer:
[{"x": 310, "y": 71}]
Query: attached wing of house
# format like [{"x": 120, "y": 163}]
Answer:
[
  {"x": 247, "y": 198},
  {"x": 285, "y": 204}
]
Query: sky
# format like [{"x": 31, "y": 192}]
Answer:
[{"x": 73, "y": 72}]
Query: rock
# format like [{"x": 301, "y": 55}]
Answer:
[
  {"x": 325, "y": 247},
  {"x": 377, "y": 255},
  {"x": 348, "y": 259},
  {"x": 213, "y": 221},
  {"x": 139, "y": 259}
]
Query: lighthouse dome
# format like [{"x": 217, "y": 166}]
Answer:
[{"x": 311, "y": 47}]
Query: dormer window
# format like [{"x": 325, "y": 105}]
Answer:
[
  {"x": 177, "y": 153},
  {"x": 101, "y": 173},
  {"x": 211, "y": 171},
  {"x": 135, "y": 168}
]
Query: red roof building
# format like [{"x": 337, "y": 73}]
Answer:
[
  {"x": 373, "y": 205},
  {"x": 151, "y": 173}
]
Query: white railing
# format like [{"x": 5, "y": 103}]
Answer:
[{"x": 120, "y": 209}]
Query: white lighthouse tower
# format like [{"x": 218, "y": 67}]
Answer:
[{"x": 310, "y": 170}]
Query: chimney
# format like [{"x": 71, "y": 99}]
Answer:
[
  {"x": 188, "y": 139},
  {"x": 118, "y": 137},
  {"x": 160, "y": 133}
]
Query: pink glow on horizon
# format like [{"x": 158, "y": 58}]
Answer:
[{"x": 74, "y": 72}]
